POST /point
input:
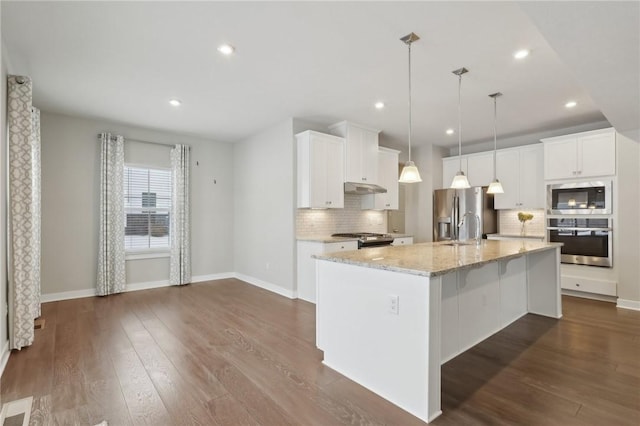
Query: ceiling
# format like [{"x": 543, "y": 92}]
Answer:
[{"x": 318, "y": 61}]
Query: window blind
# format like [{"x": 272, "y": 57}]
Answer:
[{"x": 147, "y": 205}]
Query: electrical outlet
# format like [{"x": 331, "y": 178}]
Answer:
[{"x": 394, "y": 304}]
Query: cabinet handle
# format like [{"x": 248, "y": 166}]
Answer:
[
  {"x": 577, "y": 284},
  {"x": 387, "y": 205},
  {"x": 341, "y": 247},
  {"x": 364, "y": 178},
  {"x": 579, "y": 172}
]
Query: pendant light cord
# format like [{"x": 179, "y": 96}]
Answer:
[
  {"x": 409, "y": 101},
  {"x": 460, "y": 120},
  {"x": 495, "y": 134}
]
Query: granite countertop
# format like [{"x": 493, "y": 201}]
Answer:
[
  {"x": 330, "y": 239},
  {"x": 535, "y": 237},
  {"x": 325, "y": 239},
  {"x": 433, "y": 259}
]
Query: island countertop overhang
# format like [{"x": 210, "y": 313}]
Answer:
[{"x": 434, "y": 259}]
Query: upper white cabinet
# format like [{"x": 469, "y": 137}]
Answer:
[
  {"x": 480, "y": 169},
  {"x": 520, "y": 172},
  {"x": 580, "y": 155},
  {"x": 450, "y": 167},
  {"x": 320, "y": 170},
  {"x": 387, "y": 178},
  {"x": 477, "y": 167},
  {"x": 361, "y": 151}
]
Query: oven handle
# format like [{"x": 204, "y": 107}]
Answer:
[{"x": 557, "y": 228}]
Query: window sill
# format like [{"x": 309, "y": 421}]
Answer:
[{"x": 133, "y": 255}]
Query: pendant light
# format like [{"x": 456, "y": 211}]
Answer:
[
  {"x": 460, "y": 181},
  {"x": 410, "y": 172},
  {"x": 495, "y": 187}
]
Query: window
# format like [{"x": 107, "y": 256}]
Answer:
[{"x": 147, "y": 205}]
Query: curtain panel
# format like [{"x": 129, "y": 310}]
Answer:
[
  {"x": 111, "y": 252},
  {"x": 180, "y": 261},
  {"x": 23, "y": 122}
]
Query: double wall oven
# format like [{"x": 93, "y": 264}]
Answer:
[{"x": 579, "y": 215}]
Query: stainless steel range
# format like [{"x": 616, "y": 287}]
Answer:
[{"x": 368, "y": 239}]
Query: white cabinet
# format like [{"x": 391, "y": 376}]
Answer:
[
  {"x": 520, "y": 172},
  {"x": 580, "y": 155},
  {"x": 402, "y": 241},
  {"x": 320, "y": 170},
  {"x": 361, "y": 151},
  {"x": 480, "y": 169},
  {"x": 387, "y": 178},
  {"x": 477, "y": 167},
  {"x": 588, "y": 285},
  {"x": 450, "y": 167},
  {"x": 307, "y": 265}
]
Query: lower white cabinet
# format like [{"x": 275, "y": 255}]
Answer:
[
  {"x": 588, "y": 285},
  {"x": 307, "y": 265},
  {"x": 402, "y": 241}
]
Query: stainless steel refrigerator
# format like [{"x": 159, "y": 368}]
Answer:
[{"x": 450, "y": 205}]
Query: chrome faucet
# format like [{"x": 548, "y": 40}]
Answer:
[{"x": 478, "y": 235}]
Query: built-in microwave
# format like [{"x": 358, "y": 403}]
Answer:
[{"x": 575, "y": 198}]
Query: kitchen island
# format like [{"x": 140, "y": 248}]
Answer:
[{"x": 388, "y": 317}]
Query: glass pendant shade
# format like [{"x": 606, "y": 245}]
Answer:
[
  {"x": 495, "y": 187},
  {"x": 410, "y": 173},
  {"x": 460, "y": 181}
]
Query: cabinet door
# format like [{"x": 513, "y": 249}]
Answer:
[
  {"x": 531, "y": 179},
  {"x": 480, "y": 169},
  {"x": 450, "y": 167},
  {"x": 334, "y": 177},
  {"x": 370, "y": 156},
  {"x": 387, "y": 178},
  {"x": 318, "y": 173},
  {"x": 508, "y": 173},
  {"x": 560, "y": 159},
  {"x": 353, "y": 158},
  {"x": 597, "y": 155}
]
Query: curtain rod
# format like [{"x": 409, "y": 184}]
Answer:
[{"x": 141, "y": 141}]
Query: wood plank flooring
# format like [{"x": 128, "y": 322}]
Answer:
[{"x": 227, "y": 353}]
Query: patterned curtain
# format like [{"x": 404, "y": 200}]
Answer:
[
  {"x": 24, "y": 211},
  {"x": 180, "y": 262},
  {"x": 111, "y": 253}
]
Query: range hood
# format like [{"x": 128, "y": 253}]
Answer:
[{"x": 363, "y": 188}]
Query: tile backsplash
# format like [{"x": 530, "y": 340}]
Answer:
[
  {"x": 509, "y": 224},
  {"x": 349, "y": 219}
]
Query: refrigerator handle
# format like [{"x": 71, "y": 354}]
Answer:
[{"x": 454, "y": 217}]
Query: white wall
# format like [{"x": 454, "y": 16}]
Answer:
[
  {"x": 419, "y": 196},
  {"x": 627, "y": 230},
  {"x": 264, "y": 206},
  {"x": 70, "y": 182}
]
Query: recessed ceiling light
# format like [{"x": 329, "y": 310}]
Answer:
[
  {"x": 449, "y": 131},
  {"x": 226, "y": 49},
  {"x": 175, "y": 102},
  {"x": 520, "y": 54},
  {"x": 571, "y": 104},
  {"x": 379, "y": 105}
]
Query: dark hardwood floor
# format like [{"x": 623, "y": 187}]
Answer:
[{"x": 228, "y": 353}]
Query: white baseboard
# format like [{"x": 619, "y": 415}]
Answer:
[
  {"x": 90, "y": 292},
  {"x": 267, "y": 286},
  {"x": 4, "y": 357},
  {"x": 212, "y": 277},
  {"x": 67, "y": 295},
  {"x": 628, "y": 304}
]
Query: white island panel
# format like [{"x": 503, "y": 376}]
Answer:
[{"x": 385, "y": 352}]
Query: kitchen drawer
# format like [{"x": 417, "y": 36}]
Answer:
[
  {"x": 404, "y": 241},
  {"x": 588, "y": 285},
  {"x": 343, "y": 246}
]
